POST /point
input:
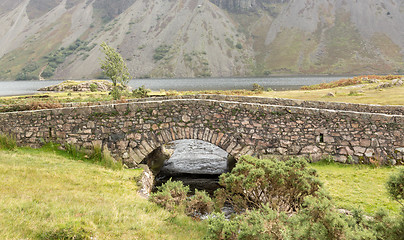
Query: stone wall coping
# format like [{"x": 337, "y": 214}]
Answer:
[
  {"x": 306, "y": 110},
  {"x": 354, "y": 107}
]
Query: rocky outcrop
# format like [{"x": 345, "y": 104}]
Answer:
[
  {"x": 80, "y": 86},
  {"x": 236, "y": 5},
  {"x": 393, "y": 83},
  {"x": 246, "y": 5}
]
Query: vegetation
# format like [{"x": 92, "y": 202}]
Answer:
[
  {"x": 115, "y": 68},
  {"x": 28, "y": 72},
  {"x": 81, "y": 200},
  {"x": 55, "y": 58},
  {"x": 316, "y": 217},
  {"x": 257, "y": 88},
  {"x": 256, "y": 182},
  {"x": 46, "y": 195},
  {"x": 366, "y": 92},
  {"x": 161, "y": 52},
  {"x": 7, "y": 142},
  {"x": 172, "y": 196},
  {"x": 339, "y": 83},
  {"x": 140, "y": 92},
  {"x": 349, "y": 186},
  {"x": 395, "y": 186}
]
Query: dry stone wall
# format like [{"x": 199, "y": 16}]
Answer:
[{"x": 133, "y": 130}]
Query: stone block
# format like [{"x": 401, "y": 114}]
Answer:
[
  {"x": 369, "y": 152},
  {"x": 340, "y": 158},
  {"x": 364, "y": 142},
  {"x": 359, "y": 151},
  {"x": 311, "y": 149},
  {"x": 186, "y": 118}
]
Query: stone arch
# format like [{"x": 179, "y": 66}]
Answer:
[{"x": 159, "y": 137}]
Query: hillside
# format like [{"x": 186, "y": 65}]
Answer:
[{"x": 188, "y": 38}]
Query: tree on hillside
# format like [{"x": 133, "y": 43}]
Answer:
[{"x": 115, "y": 68}]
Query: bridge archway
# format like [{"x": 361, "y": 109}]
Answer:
[
  {"x": 158, "y": 138},
  {"x": 198, "y": 164}
]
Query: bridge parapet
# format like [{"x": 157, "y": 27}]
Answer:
[{"x": 133, "y": 130}]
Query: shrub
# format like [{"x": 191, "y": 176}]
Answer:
[
  {"x": 48, "y": 72},
  {"x": 200, "y": 203},
  {"x": 116, "y": 93},
  {"x": 161, "y": 52},
  {"x": 171, "y": 195},
  {"x": 318, "y": 220},
  {"x": 395, "y": 186},
  {"x": 338, "y": 83},
  {"x": 7, "y": 142},
  {"x": 256, "y": 224},
  {"x": 140, "y": 92},
  {"x": 93, "y": 87},
  {"x": 257, "y": 88},
  {"x": 281, "y": 185}
]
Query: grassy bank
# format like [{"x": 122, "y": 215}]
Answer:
[
  {"x": 358, "y": 186},
  {"x": 363, "y": 93},
  {"x": 43, "y": 191}
]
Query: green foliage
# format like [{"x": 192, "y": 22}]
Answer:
[
  {"x": 59, "y": 56},
  {"x": 104, "y": 158},
  {"x": 96, "y": 155},
  {"x": 48, "y": 71},
  {"x": 7, "y": 142},
  {"x": 318, "y": 219},
  {"x": 171, "y": 195},
  {"x": 115, "y": 68},
  {"x": 239, "y": 46},
  {"x": 28, "y": 72},
  {"x": 140, "y": 92},
  {"x": 70, "y": 231},
  {"x": 161, "y": 52},
  {"x": 93, "y": 87},
  {"x": 282, "y": 185},
  {"x": 44, "y": 191},
  {"x": 199, "y": 203},
  {"x": 395, "y": 186},
  {"x": 257, "y": 88},
  {"x": 256, "y": 224}
]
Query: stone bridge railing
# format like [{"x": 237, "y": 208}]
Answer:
[{"x": 239, "y": 125}]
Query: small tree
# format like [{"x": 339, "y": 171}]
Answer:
[{"x": 115, "y": 68}]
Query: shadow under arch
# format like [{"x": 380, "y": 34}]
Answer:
[{"x": 159, "y": 138}]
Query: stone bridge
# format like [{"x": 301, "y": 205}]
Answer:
[{"x": 239, "y": 125}]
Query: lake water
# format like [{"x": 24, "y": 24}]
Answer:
[{"x": 10, "y": 88}]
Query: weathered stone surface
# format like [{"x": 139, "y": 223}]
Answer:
[{"x": 252, "y": 125}]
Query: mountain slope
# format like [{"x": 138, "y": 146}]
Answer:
[{"x": 189, "y": 38}]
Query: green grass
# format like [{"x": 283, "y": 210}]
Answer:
[
  {"x": 42, "y": 190},
  {"x": 45, "y": 190},
  {"x": 358, "y": 186}
]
